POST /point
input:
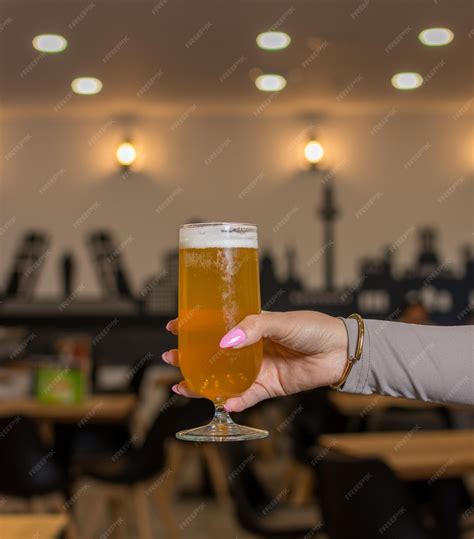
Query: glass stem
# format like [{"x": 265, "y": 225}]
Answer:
[{"x": 221, "y": 416}]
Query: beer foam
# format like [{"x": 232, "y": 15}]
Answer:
[{"x": 218, "y": 235}]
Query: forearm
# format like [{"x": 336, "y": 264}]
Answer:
[{"x": 417, "y": 362}]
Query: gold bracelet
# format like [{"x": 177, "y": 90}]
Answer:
[{"x": 355, "y": 358}]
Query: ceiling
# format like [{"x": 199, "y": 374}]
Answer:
[{"x": 171, "y": 53}]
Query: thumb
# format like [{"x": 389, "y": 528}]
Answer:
[{"x": 255, "y": 326}]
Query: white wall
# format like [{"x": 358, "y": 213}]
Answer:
[{"x": 370, "y": 172}]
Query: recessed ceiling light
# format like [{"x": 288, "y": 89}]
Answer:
[
  {"x": 407, "y": 81},
  {"x": 49, "y": 43},
  {"x": 86, "y": 85},
  {"x": 270, "y": 83},
  {"x": 436, "y": 37},
  {"x": 273, "y": 41}
]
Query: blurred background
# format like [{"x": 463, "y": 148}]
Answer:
[{"x": 343, "y": 129}]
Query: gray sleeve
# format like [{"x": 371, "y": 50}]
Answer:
[{"x": 430, "y": 363}]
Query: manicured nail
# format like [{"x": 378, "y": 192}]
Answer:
[
  {"x": 226, "y": 408},
  {"x": 233, "y": 338},
  {"x": 164, "y": 357},
  {"x": 175, "y": 388},
  {"x": 168, "y": 326}
]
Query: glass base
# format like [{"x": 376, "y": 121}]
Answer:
[{"x": 221, "y": 429}]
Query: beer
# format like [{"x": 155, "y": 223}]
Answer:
[{"x": 218, "y": 286}]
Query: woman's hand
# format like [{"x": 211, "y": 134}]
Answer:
[{"x": 301, "y": 350}]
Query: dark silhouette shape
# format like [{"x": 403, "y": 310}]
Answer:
[
  {"x": 328, "y": 213},
  {"x": 428, "y": 259},
  {"x": 29, "y": 468},
  {"x": 67, "y": 271},
  {"x": 363, "y": 496},
  {"x": 108, "y": 262},
  {"x": 27, "y": 265},
  {"x": 253, "y": 506}
]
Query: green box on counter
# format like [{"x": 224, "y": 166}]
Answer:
[{"x": 60, "y": 385}]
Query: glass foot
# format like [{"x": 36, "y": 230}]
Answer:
[{"x": 221, "y": 429}]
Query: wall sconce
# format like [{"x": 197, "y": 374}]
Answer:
[
  {"x": 126, "y": 155},
  {"x": 313, "y": 153}
]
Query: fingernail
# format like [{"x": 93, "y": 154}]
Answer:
[
  {"x": 233, "y": 338},
  {"x": 168, "y": 326},
  {"x": 164, "y": 357},
  {"x": 175, "y": 388},
  {"x": 226, "y": 408}
]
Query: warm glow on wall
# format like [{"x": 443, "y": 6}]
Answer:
[
  {"x": 126, "y": 154},
  {"x": 313, "y": 152}
]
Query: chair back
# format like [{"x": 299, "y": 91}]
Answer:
[
  {"x": 252, "y": 503},
  {"x": 28, "y": 467},
  {"x": 363, "y": 498}
]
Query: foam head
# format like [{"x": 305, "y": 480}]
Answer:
[{"x": 220, "y": 235}]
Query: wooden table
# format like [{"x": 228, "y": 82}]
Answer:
[
  {"x": 350, "y": 404},
  {"x": 96, "y": 408},
  {"x": 413, "y": 454},
  {"x": 21, "y": 526}
]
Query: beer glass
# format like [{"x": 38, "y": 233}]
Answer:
[{"x": 218, "y": 286}]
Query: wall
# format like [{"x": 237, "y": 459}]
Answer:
[{"x": 58, "y": 174}]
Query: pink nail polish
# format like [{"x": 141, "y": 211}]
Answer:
[
  {"x": 227, "y": 409},
  {"x": 168, "y": 326},
  {"x": 164, "y": 357},
  {"x": 233, "y": 338},
  {"x": 175, "y": 388}
]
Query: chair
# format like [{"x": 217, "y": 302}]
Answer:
[
  {"x": 30, "y": 469},
  {"x": 253, "y": 506},
  {"x": 92, "y": 442},
  {"x": 311, "y": 414},
  {"x": 134, "y": 474},
  {"x": 138, "y": 473},
  {"x": 396, "y": 418},
  {"x": 447, "y": 497},
  {"x": 363, "y": 497}
]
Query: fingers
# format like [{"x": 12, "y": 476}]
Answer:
[
  {"x": 171, "y": 357},
  {"x": 172, "y": 326},
  {"x": 254, "y": 394},
  {"x": 182, "y": 389},
  {"x": 253, "y": 328}
]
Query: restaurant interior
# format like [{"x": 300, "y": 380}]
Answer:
[{"x": 343, "y": 130}]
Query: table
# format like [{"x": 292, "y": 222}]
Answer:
[
  {"x": 413, "y": 454},
  {"x": 350, "y": 404},
  {"x": 96, "y": 408},
  {"x": 19, "y": 526}
]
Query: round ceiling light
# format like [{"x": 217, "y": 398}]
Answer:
[
  {"x": 407, "y": 81},
  {"x": 436, "y": 37},
  {"x": 270, "y": 83},
  {"x": 86, "y": 85},
  {"x": 49, "y": 43},
  {"x": 273, "y": 41}
]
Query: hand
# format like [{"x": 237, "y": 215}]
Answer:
[{"x": 301, "y": 350}]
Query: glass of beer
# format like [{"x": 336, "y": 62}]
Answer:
[{"x": 218, "y": 286}]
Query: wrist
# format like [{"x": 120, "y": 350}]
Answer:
[
  {"x": 341, "y": 349},
  {"x": 355, "y": 329}
]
